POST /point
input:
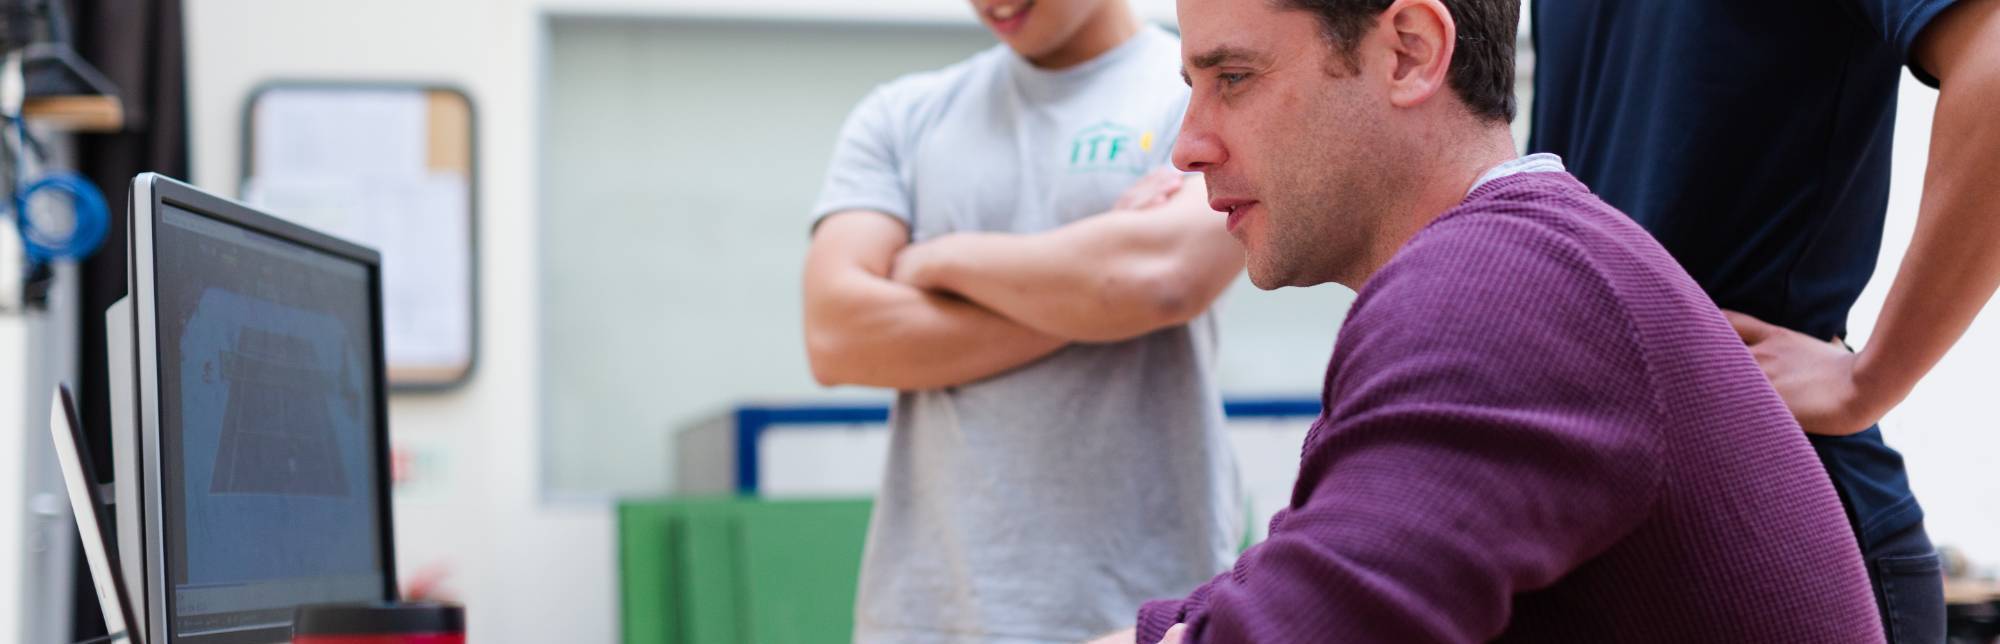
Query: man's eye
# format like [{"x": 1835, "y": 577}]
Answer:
[{"x": 1232, "y": 78}]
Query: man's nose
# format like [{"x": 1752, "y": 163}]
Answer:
[{"x": 1196, "y": 149}]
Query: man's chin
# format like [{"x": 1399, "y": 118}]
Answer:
[
  {"x": 1031, "y": 47},
  {"x": 1271, "y": 277},
  {"x": 1267, "y": 279}
]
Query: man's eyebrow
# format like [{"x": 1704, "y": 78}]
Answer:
[{"x": 1221, "y": 55}]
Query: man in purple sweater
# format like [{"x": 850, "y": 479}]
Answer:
[{"x": 1537, "y": 427}]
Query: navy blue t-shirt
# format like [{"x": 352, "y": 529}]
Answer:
[{"x": 1753, "y": 139}]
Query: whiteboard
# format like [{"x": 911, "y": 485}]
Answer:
[{"x": 389, "y": 166}]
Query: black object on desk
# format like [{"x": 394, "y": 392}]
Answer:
[
  {"x": 1972, "y": 623},
  {"x": 380, "y": 623}
]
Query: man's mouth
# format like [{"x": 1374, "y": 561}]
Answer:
[
  {"x": 1007, "y": 17},
  {"x": 1236, "y": 209}
]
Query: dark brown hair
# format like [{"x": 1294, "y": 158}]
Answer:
[{"x": 1482, "y": 65}]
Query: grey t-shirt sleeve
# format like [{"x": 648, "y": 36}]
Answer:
[{"x": 867, "y": 171}]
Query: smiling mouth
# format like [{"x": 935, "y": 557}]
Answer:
[{"x": 1007, "y": 17}]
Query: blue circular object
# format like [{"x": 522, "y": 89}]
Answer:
[{"x": 88, "y": 211}]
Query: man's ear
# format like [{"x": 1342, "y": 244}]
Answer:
[{"x": 1422, "y": 39}]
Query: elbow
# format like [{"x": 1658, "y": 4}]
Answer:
[
  {"x": 828, "y": 358},
  {"x": 1179, "y": 288},
  {"x": 825, "y": 375},
  {"x": 1168, "y": 296},
  {"x": 1141, "y": 300}
]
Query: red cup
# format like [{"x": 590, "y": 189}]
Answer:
[{"x": 380, "y": 623}]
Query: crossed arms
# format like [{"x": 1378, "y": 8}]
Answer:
[{"x": 882, "y": 312}]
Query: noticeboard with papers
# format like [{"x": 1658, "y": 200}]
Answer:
[{"x": 390, "y": 166}]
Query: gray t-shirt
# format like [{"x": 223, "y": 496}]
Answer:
[{"x": 1048, "y": 502}]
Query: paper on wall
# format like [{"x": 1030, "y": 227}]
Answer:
[
  {"x": 341, "y": 132},
  {"x": 419, "y": 225},
  {"x": 354, "y": 162}
]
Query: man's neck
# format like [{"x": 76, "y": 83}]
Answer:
[
  {"x": 1110, "y": 26},
  {"x": 1447, "y": 176}
]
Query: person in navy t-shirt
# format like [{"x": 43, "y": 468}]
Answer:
[{"x": 1753, "y": 139}]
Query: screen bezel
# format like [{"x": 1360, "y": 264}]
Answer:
[
  {"x": 87, "y": 502},
  {"x": 150, "y": 194}
]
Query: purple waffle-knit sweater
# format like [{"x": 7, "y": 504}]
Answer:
[{"x": 1538, "y": 429}]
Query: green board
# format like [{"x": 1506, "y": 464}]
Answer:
[{"x": 696, "y": 571}]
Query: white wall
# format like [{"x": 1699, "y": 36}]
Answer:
[
  {"x": 14, "y": 518},
  {"x": 35, "y": 523},
  {"x": 679, "y": 160}
]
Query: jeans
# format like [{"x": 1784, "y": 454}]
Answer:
[{"x": 1908, "y": 579}]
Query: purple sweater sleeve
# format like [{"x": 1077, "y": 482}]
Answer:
[{"x": 1490, "y": 425}]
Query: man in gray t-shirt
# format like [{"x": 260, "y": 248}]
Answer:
[{"x": 994, "y": 240}]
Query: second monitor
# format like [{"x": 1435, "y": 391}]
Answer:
[{"x": 249, "y": 419}]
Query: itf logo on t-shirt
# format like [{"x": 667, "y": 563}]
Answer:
[{"x": 1109, "y": 146}]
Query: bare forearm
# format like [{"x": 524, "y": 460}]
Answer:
[
  {"x": 863, "y": 329},
  {"x": 1109, "y": 277},
  {"x": 1952, "y": 266},
  {"x": 873, "y": 332},
  {"x": 1065, "y": 284}
]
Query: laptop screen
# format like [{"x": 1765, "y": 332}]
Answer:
[{"x": 267, "y": 428}]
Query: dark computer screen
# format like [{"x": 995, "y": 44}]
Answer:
[{"x": 267, "y": 427}]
